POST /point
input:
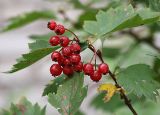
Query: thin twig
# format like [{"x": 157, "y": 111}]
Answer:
[{"x": 123, "y": 95}]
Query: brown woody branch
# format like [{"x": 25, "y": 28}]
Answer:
[{"x": 127, "y": 101}]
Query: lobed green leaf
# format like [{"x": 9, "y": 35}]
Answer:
[
  {"x": 24, "y": 107},
  {"x": 118, "y": 19},
  {"x": 30, "y": 58},
  {"x": 69, "y": 95},
  {"x": 139, "y": 79},
  {"x": 27, "y": 18}
]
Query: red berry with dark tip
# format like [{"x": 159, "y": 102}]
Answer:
[
  {"x": 78, "y": 67},
  {"x": 59, "y": 29},
  {"x": 96, "y": 76},
  {"x": 75, "y": 58},
  {"x": 76, "y": 48},
  {"x": 64, "y": 41},
  {"x": 55, "y": 70},
  {"x": 103, "y": 68},
  {"x": 68, "y": 70},
  {"x": 56, "y": 56},
  {"x": 66, "y": 51},
  {"x": 52, "y": 25},
  {"x": 88, "y": 68},
  {"x": 54, "y": 40}
]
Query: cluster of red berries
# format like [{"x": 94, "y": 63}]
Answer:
[
  {"x": 68, "y": 57},
  {"x": 95, "y": 74}
]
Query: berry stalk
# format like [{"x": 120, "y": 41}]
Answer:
[{"x": 127, "y": 101}]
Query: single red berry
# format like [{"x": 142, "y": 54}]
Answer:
[
  {"x": 96, "y": 76},
  {"x": 67, "y": 62},
  {"x": 56, "y": 56},
  {"x": 60, "y": 62},
  {"x": 52, "y": 24},
  {"x": 76, "y": 48},
  {"x": 59, "y": 30},
  {"x": 66, "y": 51},
  {"x": 54, "y": 40},
  {"x": 64, "y": 41},
  {"x": 78, "y": 67},
  {"x": 75, "y": 58},
  {"x": 55, "y": 70},
  {"x": 68, "y": 70},
  {"x": 88, "y": 69},
  {"x": 103, "y": 68}
]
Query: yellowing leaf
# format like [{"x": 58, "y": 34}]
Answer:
[{"x": 109, "y": 89}]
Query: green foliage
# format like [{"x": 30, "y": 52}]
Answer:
[
  {"x": 139, "y": 53},
  {"x": 155, "y": 5},
  {"x": 27, "y": 18},
  {"x": 144, "y": 108},
  {"x": 118, "y": 19},
  {"x": 114, "y": 104},
  {"x": 69, "y": 96},
  {"x": 139, "y": 79},
  {"x": 24, "y": 107},
  {"x": 54, "y": 84},
  {"x": 110, "y": 106},
  {"x": 30, "y": 58},
  {"x": 39, "y": 49}
]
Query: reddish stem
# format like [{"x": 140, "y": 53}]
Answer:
[{"x": 76, "y": 37}]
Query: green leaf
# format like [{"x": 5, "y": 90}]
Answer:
[
  {"x": 39, "y": 44},
  {"x": 114, "y": 104},
  {"x": 139, "y": 80},
  {"x": 54, "y": 84},
  {"x": 69, "y": 96},
  {"x": 138, "y": 54},
  {"x": 30, "y": 58},
  {"x": 79, "y": 112},
  {"x": 118, "y": 19},
  {"x": 24, "y": 107},
  {"x": 145, "y": 108},
  {"x": 154, "y": 5},
  {"x": 27, "y": 18},
  {"x": 110, "y": 106}
]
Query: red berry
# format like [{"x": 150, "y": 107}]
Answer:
[
  {"x": 54, "y": 40},
  {"x": 68, "y": 70},
  {"x": 103, "y": 68},
  {"x": 64, "y": 41},
  {"x": 52, "y": 24},
  {"x": 88, "y": 69},
  {"x": 56, "y": 56},
  {"x": 75, "y": 58},
  {"x": 60, "y": 62},
  {"x": 66, "y": 51},
  {"x": 59, "y": 30},
  {"x": 78, "y": 67},
  {"x": 76, "y": 48},
  {"x": 55, "y": 70},
  {"x": 96, "y": 76},
  {"x": 67, "y": 62}
]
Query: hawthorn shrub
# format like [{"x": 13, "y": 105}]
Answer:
[{"x": 131, "y": 70}]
